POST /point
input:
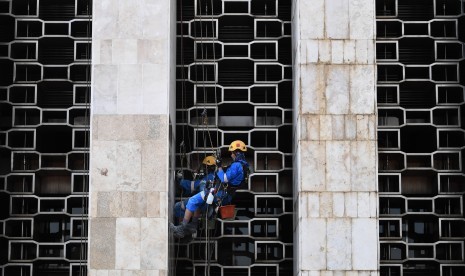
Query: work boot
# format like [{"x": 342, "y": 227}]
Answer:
[
  {"x": 190, "y": 228},
  {"x": 178, "y": 231}
]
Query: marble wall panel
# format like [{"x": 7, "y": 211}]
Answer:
[
  {"x": 337, "y": 89},
  {"x": 128, "y": 243},
  {"x": 306, "y": 10},
  {"x": 313, "y": 233},
  {"x": 339, "y": 244},
  {"x": 338, "y": 172},
  {"x": 364, "y": 235},
  {"x": 336, "y": 19},
  {"x": 313, "y": 162},
  {"x": 102, "y": 248}
]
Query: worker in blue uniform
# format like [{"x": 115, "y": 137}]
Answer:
[
  {"x": 231, "y": 178},
  {"x": 190, "y": 187}
]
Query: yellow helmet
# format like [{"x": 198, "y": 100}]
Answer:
[
  {"x": 237, "y": 145},
  {"x": 209, "y": 161}
]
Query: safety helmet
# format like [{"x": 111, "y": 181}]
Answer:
[
  {"x": 237, "y": 145},
  {"x": 209, "y": 161}
]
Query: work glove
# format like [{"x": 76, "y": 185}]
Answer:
[{"x": 218, "y": 162}]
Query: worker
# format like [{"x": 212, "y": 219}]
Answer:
[
  {"x": 232, "y": 177},
  {"x": 190, "y": 187}
]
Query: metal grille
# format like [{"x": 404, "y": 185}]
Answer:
[
  {"x": 421, "y": 138},
  {"x": 234, "y": 65},
  {"x": 44, "y": 136}
]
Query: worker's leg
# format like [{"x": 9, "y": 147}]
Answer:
[{"x": 193, "y": 204}]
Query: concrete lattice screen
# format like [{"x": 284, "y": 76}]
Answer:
[
  {"x": 44, "y": 105},
  {"x": 420, "y": 91},
  {"x": 234, "y": 63}
]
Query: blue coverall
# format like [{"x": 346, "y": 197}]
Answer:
[{"x": 198, "y": 185}]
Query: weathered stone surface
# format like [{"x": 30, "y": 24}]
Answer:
[
  {"x": 339, "y": 243},
  {"x": 306, "y": 9},
  {"x": 128, "y": 243},
  {"x": 103, "y": 165},
  {"x": 154, "y": 244},
  {"x": 104, "y": 89},
  {"x": 130, "y": 100},
  {"x": 129, "y": 166},
  {"x": 313, "y": 162},
  {"x": 336, "y": 19},
  {"x": 338, "y": 166},
  {"x": 102, "y": 247},
  {"x": 313, "y": 254},
  {"x": 124, "y": 51},
  {"x": 338, "y": 204},
  {"x": 109, "y": 204},
  {"x": 363, "y": 168},
  {"x": 364, "y": 244},
  {"x": 362, "y": 89},
  {"x": 362, "y": 19},
  {"x": 337, "y": 89},
  {"x": 326, "y": 205}
]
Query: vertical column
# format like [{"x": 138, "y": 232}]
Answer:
[
  {"x": 335, "y": 138},
  {"x": 132, "y": 78}
]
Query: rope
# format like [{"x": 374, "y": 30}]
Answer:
[{"x": 84, "y": 201}]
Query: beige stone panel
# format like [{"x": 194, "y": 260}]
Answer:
[
  {"x": 339, "y": 244},
  {"x": 362, "y": 19},
  {"x": 338, "y": 171},
  {"x": 130, "y": 99},
  {"x": 94, "y": 127},
  {"x": 313, "y": 205},
  {"x": 338, "y": 127},
  {"x": 363, "y": 122},
  {"x": 104, "y": 89},
  {"x": 105, "y": 51},
  {"x": 133, "y": 127},
  {"x": 155, "y": 88},
  {"x": 314, "y": 273},
  {"x": 306, "y": 10},
  {"x": 129, "y": 165},
  {"x": 350, "y": 127},
  {"x": 109, "y": 204},
  {"x": 361, "y": 51},
  {"x": 124, "y": 51},
  {"x": 312, "y": 232},
  {"x": 151, "y": 51},
  {"x": 363, "y": 165},
  {"x": 326, "y": 273},
  {"x": 336, "y": 19},
  {"x": 104, "y": 18},
  {"x": 103, "y": 160},
  {"x": 128, "y": 238},
  {"x": 303, "y": 273},
  {"x": 154, "y": 166},
  {"x": 363, "y": 199},
  {"x": 351, "y": 273},
  {"x": 93, "y": 204},
  {"x": 156, "y": 20},
  {"x": 310, "y": 127},
  {"x": 95, "y": 48},
  {"x": 313, "y": 162},
  {"x": 372, "y": 127},
  {"x": 326, "y": 128},
  {"x": 102, "y": 273},
  {"x": 364, "y": 244},
  {"x": 362, "y": 89},
  {"x": 102, "y": 247},
  {"x": 374, "y": 205},
  {"x": 326, "y": 205},
  {"x": 337, "y": 51},
  {"x": 133, "y": 204},
  {"x": 351, "y": 205},
  {"x": 337, "y": 89},
  {"x": 153, "y": 204},
  {"x": 132, "y": 272},
  {"x": 324, "y": 51},
  {"x": 164, "y": 204},
  {"x": 338, "y": 273},
  {"x": 129, "y": 23},
  {"x": 311, "y": 51},
  {"x": 312, "y": 89},
  {"x": 349, "y": 51},
  {"x": 338, "y": 204},
  {"x": 303, "y": 205},
  {"x": 154, "y": 243}
]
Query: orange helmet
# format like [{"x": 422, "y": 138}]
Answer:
[
  {"x": 209, "y": 161},
  {"x": 237, "y": 145}
]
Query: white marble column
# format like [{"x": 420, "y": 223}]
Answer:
[
  {"x": 336, "y": 225},
  {"x": 132, "y": 91}
]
